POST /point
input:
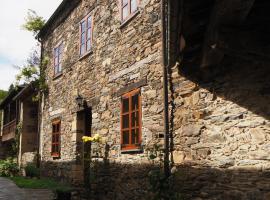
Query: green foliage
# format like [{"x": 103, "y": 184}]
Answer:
[
  {"x": 15, "y": 143},
  {"x": 23, "y": 182},
  {"x": 8, "y": 168},
  {"x": 32, "y": 171},
  {"x": 3, "y": 94},
  {"x": 31, "y": 73},
  {"x": 34, "y": 23},
  {"x": 161, "y": 187}
]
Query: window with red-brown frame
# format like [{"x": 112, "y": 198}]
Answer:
[
  {"x": 131, "y": 120},
  {"x": 86, "y": 35},
  {"x": 56, "y": 136},
  {"x": 128, "y": 8},
  {"x": 58, "y": 51}
]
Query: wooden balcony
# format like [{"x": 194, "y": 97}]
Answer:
[{"x": 9, "y": 130}]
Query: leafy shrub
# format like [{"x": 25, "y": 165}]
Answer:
[
  {"x": 32, "y": 171},
  {"x": 8, "y": 168}
]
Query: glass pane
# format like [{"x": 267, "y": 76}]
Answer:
[
  {"x": 88, "y": 45},
  {"x": 83, "y": 38},
  {"x": 135, "y": 136},
  {"x": 125, "y": 121},
  {"x": 134, "y": 5},
  {"x": 125, "y": 12},
  {"x": 89, "y": 33},
  {"x": 125, "y": 105},
  {"x": 124, "y": 2},
  {"x": 125, "y": 137},
  {"x": 82, "y": 49},
  {"x": 135, "y": 102},
  {"x": 89, "y": 22},
  {"x": 56, "y": 148},
  {"x": 59, "y": 67},
  {"x": 55, "y": 61},
  {"x": 57, "y": 138},
  {"x": 83, "y": 26},
  {"x": 53, "y": 128},
  {"x": 53, "y": 148},
  {"x": 135, "y": 119},
  {"x": 53, "y": 138}
]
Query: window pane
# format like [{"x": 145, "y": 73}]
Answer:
[
  {"x": 56, "y": 61},
  {"x": 125, "y": 105},
  {"x": 83, "y": 26},
  {"x": 124, "y": 2},
  {"x": 125, "y": 121},
  {"x": 135, "y": 136},
  {"x": 57, "y": 138},
  {"x": 89, "y": 22},
  {"x": 125, "y": 137},
  {"x": 134, "y": 5},
  {"x": 135, "y": 102},
  {"x": 125, "y": 12},
  {"x": 54, "y": 128},
  {"x": 56, "y": 148},
  {"x": 53, "y": 138},
  {"x": 135, "y": 119},
  {"x": 83, "y": 38},
  {"x": 82, "y": 49},
  {"x": 89, "y": 33},
  {"x": 88, "y": 45},
  {"x": 59, "y": 69}
]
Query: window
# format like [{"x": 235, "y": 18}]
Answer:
[
  {"x": 128, "y": 7},
  {"x": 56, "y": 130},
  {"x": 131, "y": 120},
  {"x": 58, "y": 51},
  {"x": 86, "y": 32}
]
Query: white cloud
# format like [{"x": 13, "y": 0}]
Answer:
[{"x": 15, "y": 43}]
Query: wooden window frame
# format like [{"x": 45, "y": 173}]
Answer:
[
  {"x": 130, "y": 13},
  {"x": 58, "y": 53},
  {"x": 54, "y": 143},
  {"x": 87, "y": 26},
  {"x": 131, "y": 146}
]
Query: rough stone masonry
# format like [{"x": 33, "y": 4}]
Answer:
[{"x": 220, "y": 126}]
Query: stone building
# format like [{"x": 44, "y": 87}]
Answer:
[
  {"x": 105, "y": 76},
  {"x": 19, "y": 133}
]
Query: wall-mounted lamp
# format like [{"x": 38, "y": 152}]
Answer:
[{"x": 79, "y": 101}]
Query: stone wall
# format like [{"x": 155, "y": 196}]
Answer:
[
  {"x": 29, "y": 134},
  {"x": 122, "y": 55},
  {"x": 221, "y": 130}
]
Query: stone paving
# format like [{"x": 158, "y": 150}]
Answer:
[{"x": 9, "y": 191}]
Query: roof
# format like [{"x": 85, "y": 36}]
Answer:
[
  {"x": 60, "y": 14},
  {"x": 10, "y": 96}
]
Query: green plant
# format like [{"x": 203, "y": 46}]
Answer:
[
  {"x": 32, "y": 171},
  {"x": 43, "y": 183},
  {"x": 161, "y": 187},
  {"x": 34, "y": 23},
  {"x": 8, "y": 168}
]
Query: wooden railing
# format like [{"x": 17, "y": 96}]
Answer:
[{"x": 9, "y": 130}]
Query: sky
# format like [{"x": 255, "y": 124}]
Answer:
[{"x": 15, "y": 43}]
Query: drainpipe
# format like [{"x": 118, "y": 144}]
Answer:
[
  {"x": 164, "y": 14},
  {"x": 39, "y": 108}
]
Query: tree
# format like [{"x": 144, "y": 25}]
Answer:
[{"x": 31, "y": 72}]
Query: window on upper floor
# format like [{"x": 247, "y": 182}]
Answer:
[
  {"x": 56, "y": 132},
  {"x": 128, "y": 7},
  {"x": 58, "y": 51},
  {"x": 131, "y": 120},
  {"x": 86, "y": 35}
]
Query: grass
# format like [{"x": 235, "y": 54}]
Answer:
[{"x": 42, "y": 183}]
